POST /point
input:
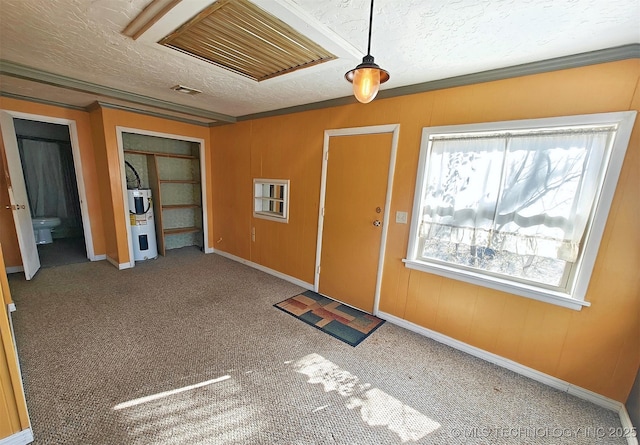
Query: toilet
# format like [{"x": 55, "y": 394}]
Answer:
[{"x": 42, "y": 227}]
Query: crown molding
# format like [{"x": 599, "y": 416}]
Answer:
[
  {"x": 102, "y": 104},
  {"x": 24, "y": 72},
  {"x": 40, "y": 101},
  {"x": 631, "y": 51},
  {"x": 615, "y": 54}
]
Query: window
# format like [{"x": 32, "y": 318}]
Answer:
[
  {"x": 271, "y": 199},
  {"x": 518, "y": 206}
]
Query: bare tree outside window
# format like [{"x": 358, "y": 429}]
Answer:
[{"x": 515, "y": 204}]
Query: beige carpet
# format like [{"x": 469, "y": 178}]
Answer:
[{"x": 187, "y": 349}]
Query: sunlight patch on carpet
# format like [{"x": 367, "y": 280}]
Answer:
[
  {"x": 222, "y": 413},
  {"x": 164, "y": 394},
  {"x": 377, "y": 408}
]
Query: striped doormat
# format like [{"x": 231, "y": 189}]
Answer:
[{"x": 343, "y": 322}]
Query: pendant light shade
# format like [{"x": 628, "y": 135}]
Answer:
[
  {"x": 367, "y": 76},
  {"x": 366, "y": 79}
]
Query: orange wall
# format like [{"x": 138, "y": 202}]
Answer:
[
  {"x": 232, "y": 184},
  {"x": 105, "y": 189},
  {"x": 13, "y": 407},
  {"x": 89, "y": 172},
  {"x": 597, "y": 348}
]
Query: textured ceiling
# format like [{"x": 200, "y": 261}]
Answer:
[{"x": 415, "y": 40}]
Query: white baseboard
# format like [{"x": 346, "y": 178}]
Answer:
[
  {"x": 120, "y": 266},
  {"x": 262, "y": 268},
  {"x": 516, "y": 367},
  {"x": 22, "y": 438},
  {"x": 112, "y": 262},
  {"x": 627, "y": 425},
  {"x": 209, "y": 250},
  {"x": 16, "y": 269}
]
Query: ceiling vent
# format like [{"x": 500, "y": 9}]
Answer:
[
  {"x": 185, "y": 90},
  {"x": 239, "y": 36}
]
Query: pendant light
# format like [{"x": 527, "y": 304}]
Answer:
[{"x": 367, "y": 77}]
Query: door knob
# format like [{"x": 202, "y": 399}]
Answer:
[{"x": 377, "y": 223}]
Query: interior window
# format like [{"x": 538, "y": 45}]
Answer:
[{"x": 271, "y": 199}]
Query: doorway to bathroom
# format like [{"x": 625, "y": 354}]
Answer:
[
  {"x": 63, "y": 230},
  {"x": 50, "y": 179}
]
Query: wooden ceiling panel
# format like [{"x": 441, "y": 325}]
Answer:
[{"x": 239, "y": 36}]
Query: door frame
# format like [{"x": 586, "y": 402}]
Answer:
[
  {"x": 123, "y": 173},
  {"x": 77, "y": 166},
  {"x": 394, "y": 129}
]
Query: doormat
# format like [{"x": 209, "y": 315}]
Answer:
[{"x": 343, "y": 322}]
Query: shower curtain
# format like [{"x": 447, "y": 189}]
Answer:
[{"x": 50, "y": 179}]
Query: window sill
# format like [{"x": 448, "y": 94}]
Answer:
[
  {"x": 523, "y": 290},
  {"x": 271, "y": 216}
]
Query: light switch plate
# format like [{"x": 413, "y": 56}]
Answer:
[{"x": 401, "y": 217}]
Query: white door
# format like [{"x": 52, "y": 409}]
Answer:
[{"x": 18, "y": 197}]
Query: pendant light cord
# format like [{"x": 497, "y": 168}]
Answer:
[{"x": 370, "y": 26}]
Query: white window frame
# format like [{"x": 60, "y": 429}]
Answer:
[
  {"x": 259, "y": 199},
  {"x": 575, "y": 297}
]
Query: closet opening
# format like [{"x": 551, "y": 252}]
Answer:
[{"x": 167, "y": 169}]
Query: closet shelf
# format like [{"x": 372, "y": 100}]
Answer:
[
  {"x": 179, "y": 181},
  {"x": 180, "y": 206},
  {"x": 181, "y": 230},
  {"x": 155, "y": 153}
]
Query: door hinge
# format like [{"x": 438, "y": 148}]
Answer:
[
  {"x": 326, "y": 156},
  {"x": 318, "y": 270},
  {"x": 323, "y": 211}
]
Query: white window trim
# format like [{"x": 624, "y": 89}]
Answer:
[
  {"x": 624, "y": 121},
  {"x": 272, "y": 216}
]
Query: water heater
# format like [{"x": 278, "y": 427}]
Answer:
[{"x": 143, "y": 228}]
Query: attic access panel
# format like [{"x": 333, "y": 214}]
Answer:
[{"x": 240, "y": 37}]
